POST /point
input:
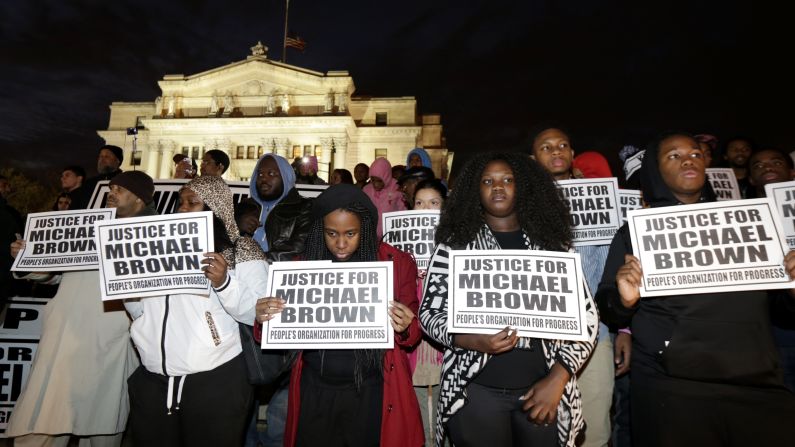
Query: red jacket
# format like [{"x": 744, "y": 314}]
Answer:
[{"x": 401, "y": 423}]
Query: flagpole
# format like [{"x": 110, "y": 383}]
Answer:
[{"x": 284, "y": 40}]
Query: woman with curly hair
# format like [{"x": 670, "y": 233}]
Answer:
[
  {"x": 362, "y": 397},
  {"x": 501, "y": 389}
]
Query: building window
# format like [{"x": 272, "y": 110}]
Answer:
[
  {"x": 380, "y": 119},
  {"x": 252, "y": 152},
  {"x": 186, "y": 151},
  {"x": 241, "y": 152},
  {"x": 296, "y": 151},
  {"x": 381, "y": 152},
  {"x": 260, "y": 151},
  {"x": 307, "y": 150},
  {"x": 136, "y": 158},
  {"x": 198, "y": 152},
  {"x": 318, "y": 152}
]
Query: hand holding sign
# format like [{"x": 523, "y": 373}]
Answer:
[
  {"x": 216, "y": 268},
  {"x": 267, "y": 308},
  {"x": 789, "y": 266},
  {"x": 628, "y": 280},
  {"x": 16, "y": 247},
  {"x": 502, "y": 341}
]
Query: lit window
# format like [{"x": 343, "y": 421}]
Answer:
[{"x": 380, "y": 152}]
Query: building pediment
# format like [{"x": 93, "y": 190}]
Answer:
[{"x": 256, "y": 76}]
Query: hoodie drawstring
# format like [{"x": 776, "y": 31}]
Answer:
[{"x": 170, "y": 396}]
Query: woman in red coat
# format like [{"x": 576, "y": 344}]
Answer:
[{"x": 360, "y": 397}]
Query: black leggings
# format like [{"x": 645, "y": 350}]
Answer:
[{"x": 494, "y": 417}]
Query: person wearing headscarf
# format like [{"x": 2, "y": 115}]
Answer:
[
  {"x": 418, "y": 157},
  {"x": 77, "y": 386},
  {"x": 361, "y": 397},
  {"x": 704, "y": 367},
  {"x": 192, "y": 387},
  {"x": 383, "y": 190}
]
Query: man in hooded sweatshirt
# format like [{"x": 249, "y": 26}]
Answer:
[
  {"x": 285, "y": 222},
  {"x": 704, "y": 367},
  {"x": 285, "y": 219}
]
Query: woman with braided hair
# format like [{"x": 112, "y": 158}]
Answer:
[
  {"x": 192, "y": 387},
  {"x": 354, "y": 397},
  {"x": 503, "y": 390}
]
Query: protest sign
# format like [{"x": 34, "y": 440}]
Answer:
[
  {"x": 628, "y": 199},
  {"x": 412, "y": 232},
  {"x": 593, "y": 209},
  {"x": 724, "y": 183},
  {"x": 633, "y": 163},
  {"x": 341, "y": 305},
  {"x": 709, "y": 247},
  {"x": 539, "y": 293},
  {"x": 154, "y": 255},
  {"x": 783, "y": 196},
  {"x": 167, "y": 193},
  {"x": 61, "y": 241},
  {"x": 20, "y": 332}
]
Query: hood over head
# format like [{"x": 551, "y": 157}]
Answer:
[
  {"x": 655, "y": 192},
  {"x": 288, "y": 180},
  {"x": 426, "y": 159}
]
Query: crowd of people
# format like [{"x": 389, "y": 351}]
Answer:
[{"x": 170, "y": 370}]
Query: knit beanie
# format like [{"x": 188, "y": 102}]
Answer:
[
  {"x": 117, "y": 151},
  {"x": 136, "y": 182}
]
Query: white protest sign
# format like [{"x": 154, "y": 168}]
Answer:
[
  {"x": 539, "y": 293},
  {"x": 342, "y": 305},
  {"x": 709, "y": 247},
  {"x": 633, "y": 163},
  {"x": 154, "y": 255},
  {"x": 20, "y": 332},
  {"x": 783, "y": 195},
  {"x": 60, "y": 241},
  {"x": 166, "y": 194},
  {"x": 629, "y": 199},
  {"x": 412, "y": 232},
  {"x": 724, "y": 183},
  {"x": 593, "y": 208}
]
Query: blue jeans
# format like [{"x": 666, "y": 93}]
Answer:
[{"x": 276, "y": 415}]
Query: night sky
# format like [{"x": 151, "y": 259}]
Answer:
[{"x": 615, "y": 72}]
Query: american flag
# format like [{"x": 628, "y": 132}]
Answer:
[{"x": 295, "y": 42}]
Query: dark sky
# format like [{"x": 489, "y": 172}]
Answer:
[{"x": 616, "y": 72}]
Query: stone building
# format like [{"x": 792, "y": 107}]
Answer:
[{"x": 259, "y": 105}]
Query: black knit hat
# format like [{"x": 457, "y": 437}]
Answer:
[
  {"x": 339, "y": 197},
  {"x": 136, "y": 182},
  {"x": 117, "y": 151}
]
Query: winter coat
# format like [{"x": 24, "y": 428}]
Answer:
[{"x": 401, "y": 424}]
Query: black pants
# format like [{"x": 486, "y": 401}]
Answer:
[
  {"x": 494, "y": 417},
  {"x": 338, "y": 414},
  {"x": 675, "y": 412},
  {"x": 213, "y": 410}
]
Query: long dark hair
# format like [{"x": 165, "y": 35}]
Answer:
[
  {"x": 542, "y": 215},
  {"x": 315, "y": 249}
]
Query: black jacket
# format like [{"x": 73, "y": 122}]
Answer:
[
  {"x": 287, "y": 227},
  {"x": 711, "y": 337}
]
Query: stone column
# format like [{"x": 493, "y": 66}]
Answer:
[
  {"x": 324, "y": 162},
  {"x": 152, "y": 159},
  {"x": 282, "y": 145},
  {"x": 167, "y": 148},
  {"x": 341, "y": 153}
]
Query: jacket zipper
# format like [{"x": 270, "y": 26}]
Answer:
[{"x": 163, "y": 337}]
